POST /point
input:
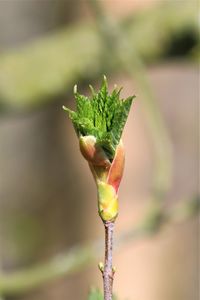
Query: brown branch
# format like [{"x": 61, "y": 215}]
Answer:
[{"x": 108, "y": 272}]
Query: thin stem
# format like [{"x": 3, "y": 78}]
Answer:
[
  {"x": 108, "y": 273},
  {"x": 79, "y": 257}
]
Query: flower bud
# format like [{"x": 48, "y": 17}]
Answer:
[{"x": 99, "y": 122}]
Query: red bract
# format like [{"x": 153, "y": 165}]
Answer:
[
  {"x": 102, "y": 169},
  {"x": 92, "y": 152},
  {"x": 117, "y": 167}
]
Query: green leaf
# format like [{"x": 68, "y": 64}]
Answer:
[{"x": 103, "y": 115}]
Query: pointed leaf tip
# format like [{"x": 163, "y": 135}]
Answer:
[
  {"x": 105, "y": 82},
  {"x": 75, "y": 89},
  {"x": 64, "y": 108},
  {"x": 92, "y": 89}
]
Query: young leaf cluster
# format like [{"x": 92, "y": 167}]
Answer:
[{"x": 103, "y": 115}]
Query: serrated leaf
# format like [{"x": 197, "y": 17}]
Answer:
[
  {"x": 119, "y": 120},
  {"x": 84, "y": 107},
  {"x": 103, "y": 116}
]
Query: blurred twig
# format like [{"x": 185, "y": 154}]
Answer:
[
  {"x": 130, "y": 61},
  {"x": 40, "y": 71},
  {"x": 1, "y": 297},
  {"x": 80, "y": 257}
]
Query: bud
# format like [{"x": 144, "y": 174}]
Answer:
[
  {"x": 99, "y": 122},
  {"x": 101, "y": 266},
  {"x": 107, "y": 175}
]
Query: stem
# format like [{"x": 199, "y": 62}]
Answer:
[
  {"x": 108, "y": 273},
  {"x": 26, "y": 280}
]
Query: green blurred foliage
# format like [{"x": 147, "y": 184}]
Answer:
[
  {"x": 46, "y": 68},
  {"x": 96, "y": 294}
]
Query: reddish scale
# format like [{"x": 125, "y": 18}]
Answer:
[
  {"x": 117, "y": 167},
  {"x": 100, "y": 166}
]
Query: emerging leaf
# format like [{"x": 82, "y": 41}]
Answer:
[{"x": 103, "y": 116}]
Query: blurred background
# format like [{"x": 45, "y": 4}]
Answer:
[{"x": 47, "y": 194}]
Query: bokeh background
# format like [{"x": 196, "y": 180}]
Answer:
[{"x": 47, "y": 194}]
